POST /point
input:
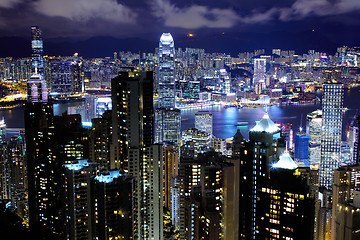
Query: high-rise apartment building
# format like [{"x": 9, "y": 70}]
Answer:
[
  {"x": 346, "y": 202},
  {"x": 166, "y": 72},
  {"x": 77, "y": 199},
  {"x": 112, "y": 206},
  {"x": 133, "y": 152},
  {"x": 100, "y": 140},
  {"x": 332, "y": 113},
  {"x": 37, "y": 50},
  {"x": 204, "y": 122}
]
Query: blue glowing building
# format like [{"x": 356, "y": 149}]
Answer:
[{"x": 302, "y": 148}]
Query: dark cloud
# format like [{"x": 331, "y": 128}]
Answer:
[
  {"x": 123, "y": 18},
  {"x": 85, "y": 10}
]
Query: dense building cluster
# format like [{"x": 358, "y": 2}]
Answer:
[{"x": 120, "y": 167}]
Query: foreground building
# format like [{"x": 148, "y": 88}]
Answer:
[{"x": 133, "y": 151}]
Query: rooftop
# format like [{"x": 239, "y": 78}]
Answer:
[
  {"x": 265, "y": 125},
  {"x": 285, "y": 162}
]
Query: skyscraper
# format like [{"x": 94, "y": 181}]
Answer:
[
  {"x": 168, "y": 126},
  {"x": 37, "y": 50},
  {"x": 167, "y": 117},
  {"x": 77, "y": 199},
  {"x": 36, "y": 89},
  {"x": 204, "y": 121},
  {"x": 302, "y": 148},
  {"x": 313, "y": 129},
  {"x": 285, "y": 208},
  {"x": 259, "y": 73},
  {"x": 166, "y": 72},
  {"x": 256, "y": 157},
  {"x": 332, "y": 108},
  {"x": 133, "y": 151}
]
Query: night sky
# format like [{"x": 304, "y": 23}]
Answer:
[{"x": 336, "y": 20}]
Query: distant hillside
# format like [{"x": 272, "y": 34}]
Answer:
[{"x": 232, "y": 43}]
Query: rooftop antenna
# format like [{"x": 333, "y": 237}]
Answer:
[{"x": 300, "y": 129}]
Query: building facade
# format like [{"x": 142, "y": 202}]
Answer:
[{"x": 332, "y": 113}]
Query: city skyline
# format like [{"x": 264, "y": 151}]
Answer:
[{"x": 181, "y": 143}]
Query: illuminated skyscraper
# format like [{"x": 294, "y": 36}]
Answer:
[
  {"x": 302, "y": 147},
  {"x": 256, "y": 157},
  {"x": 225, "y": 81},
  {"x": 332, "y": 107},
  {"x": 168, "y": 126},
  {"x": 167, "y": 117},
  {"x": 313, "y": 129},
  {"x": 166, "y": 72},
  {"x": 259, "y": 72},
  {"x": 37, "y": 50},
  {"x": 204, "y": 122},
  {"x": 36, "y": 89}
]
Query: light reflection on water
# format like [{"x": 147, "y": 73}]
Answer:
[{"x": 225, "y": 120}]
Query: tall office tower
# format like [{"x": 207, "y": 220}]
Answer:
[
  {"x": 132, "y": 150},
  {"x": 37, "y": 50},
  {"x": 332, "y": 107},
  {"x": 204, "y": 121},
  {"x": 39, "y": 116},
  {"x": 77, "y": 77},
  {"x": 256, "y": 157},
  {"x": 313, "y": 129},
  {"x": 18, "y": 177},
  {"x": 61, "y": 76},
  {"x": 112, "y": 206},
  {"x": 77, "y": 199},
  {"x": 346, "y": 183},
  {"x": 36, "y": 89},
  {"x": 168, "y": 126},
  {"x": 259, "y": 73},
  {"x": 225, "y": 81},
  {"x": 100, "y": 139},
  {"x": 170, "y": 172},
  {"x": 302, "y": 148},
  {"x": 345, "y": 154},
  {"x": 285, "y": 209},
  {"x": 166, "y": 72}
]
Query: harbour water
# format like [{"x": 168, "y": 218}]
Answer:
[{"x": 225, "y": 120}]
